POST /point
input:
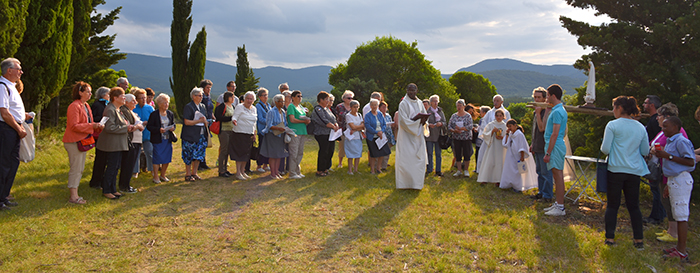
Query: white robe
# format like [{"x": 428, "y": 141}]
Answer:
[
  {"x": 494, "y": 152},
  {"x": 488, "y": 118},
  {"x": 411, "y": 154},
  {"x": 511, "y": 177}
]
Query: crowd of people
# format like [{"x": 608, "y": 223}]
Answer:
[{"x": 126, "y": 125}]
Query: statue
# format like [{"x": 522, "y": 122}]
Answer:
[{"x": 590, "y": 90}]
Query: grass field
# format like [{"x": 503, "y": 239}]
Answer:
[{"x": 339, "y": 223}]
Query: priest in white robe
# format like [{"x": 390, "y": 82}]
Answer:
[
  {"x": 411, "y": 154},
  {"x": 517, "y": 151},
  {"x": 488, "y": 118},
  {"x": 493, "y": 150}
]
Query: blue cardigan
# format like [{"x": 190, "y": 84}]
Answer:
[{"x": 370, "y": 124}]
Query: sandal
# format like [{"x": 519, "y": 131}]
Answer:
[
  {"x": 79, "y": 201},
  {"x": 321, "y": 174},
  {"x": 189, "y": 178},
  {"x": 196, "y": 177},
  {"x": 164, "y": 179},
  {"x": 113, "y": 197}
]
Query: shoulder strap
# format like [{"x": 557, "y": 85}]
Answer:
[{"x": 6, "y": 88}]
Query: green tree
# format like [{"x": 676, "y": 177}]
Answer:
[
  {"x": 647, "y": 49},
  {"x": 245, "y": 78},
  {"x": 361, "y": 89},
  {"x": 12, "y": 25},
  {"x": 473, "y": 88},
  {"x": 187, "y": 72},
  {"x": 392, "y": 64},
  {"x": 45, "y": 51}
]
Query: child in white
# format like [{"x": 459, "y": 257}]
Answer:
[{"x": 517, "y": 151}]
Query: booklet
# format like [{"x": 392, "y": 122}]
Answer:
[
  {"x": 349, "y": 135},
  {"x": 198, "y": 115},
  {"x": 422, "y": 116},
  {"x": 381, "y": 141},
  {"x": 103, "y": 120},
  {"x": 335, "y": 135}
]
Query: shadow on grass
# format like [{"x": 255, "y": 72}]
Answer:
[{"x": 369, "y": 223}]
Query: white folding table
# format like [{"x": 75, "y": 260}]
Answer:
[{"x": 583, "y": 180}]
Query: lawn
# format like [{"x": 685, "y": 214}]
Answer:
[{"x": 339, "y": 223}]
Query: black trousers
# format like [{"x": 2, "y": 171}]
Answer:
[
  {"x": 113, "y": 160},
  {"x": 98, "y": 168},
  {"x": 617, "y": 184},
  {"x": 325, "y": 153},
  {"x": 127, "y": 165},
  {"x": 9, "y": 159}
]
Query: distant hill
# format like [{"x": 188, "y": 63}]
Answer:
[
  {"x": 154, "y": 72},
  {"x": 511, "y": 77},
  {"x": 517, "y": 78}
]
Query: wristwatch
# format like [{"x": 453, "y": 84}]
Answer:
[
  {"x": 670, "y": 157},
  {"x": 546, "y": 154}
]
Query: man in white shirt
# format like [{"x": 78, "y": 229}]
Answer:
[
  {"x": 230, "y": 87},
  {"x": 11, "y": 131}
]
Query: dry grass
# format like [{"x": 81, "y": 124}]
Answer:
[{"x": 339, "y": 223}]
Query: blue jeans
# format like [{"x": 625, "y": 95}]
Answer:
[
  {"x": 147, "y": 147},
  {"x": 545, "y": 182},
  {"x": 438, "y": 156},
  {"x": 657, "y": 208}
]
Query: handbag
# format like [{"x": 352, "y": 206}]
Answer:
[
  {"x": 215, "y": 127},
  {"x": 475, "y": 135},
  {"x": 445, "y": 141},
  {"x": 522, "y": 167},
  {"x": 172, "y": 136},
  {"x": 655, "y": 171},
  {"x": 27, "y": 145},
  {"x": 86, "y": 144},
  {"x": 287, "y": 138}
]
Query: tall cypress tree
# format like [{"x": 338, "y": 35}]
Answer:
[
  {"x": 12, "y": 25},
  {"x": 45, "y": 51},
  {"x": 187, "y": 72},
  {"x": 245, "y": 78}
]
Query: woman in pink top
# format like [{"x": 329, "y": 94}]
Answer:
[{"x": 79, "y": 126}]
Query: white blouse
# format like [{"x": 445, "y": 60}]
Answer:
[{"x": 246, "y": 119}]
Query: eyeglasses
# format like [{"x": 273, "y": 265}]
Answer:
[
  {"x": 198, "y": 95},
  {"x": 299, "y": 96}
]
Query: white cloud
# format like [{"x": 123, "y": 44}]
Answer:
[{"x": 300, "y": 33}]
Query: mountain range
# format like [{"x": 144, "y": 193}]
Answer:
[{"x": 512, "y": 78}]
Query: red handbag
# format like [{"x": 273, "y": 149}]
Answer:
[
  {"x": 215, "y": 127},
  {"x": 86, "y": 144}
]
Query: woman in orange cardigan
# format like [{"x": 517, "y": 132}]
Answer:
[{"x": 79, "y": 126}]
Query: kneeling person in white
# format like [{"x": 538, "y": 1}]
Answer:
[{"x": 678, "y": 161}]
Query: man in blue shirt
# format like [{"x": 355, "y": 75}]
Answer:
[
  {"x": 555, "y": 149},
  {"x": 678, "y": 161}
]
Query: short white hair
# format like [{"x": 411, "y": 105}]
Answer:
[
  {"x": 278, "y": 97},
  {"x": 122, "y": 80},
  {"x": 195, "y": 91},
  {"x": 130, "y": 97},
  {"x": 376, "y": 95},
  {"x": 498, "y": 96},
  {"x": 374, "y": 101},
  {"x": 8, "y": 63},
  {"x": 161, "y": 97},
  {"x": 284, "y": 84},
  {"x": 249, "y": 93},
  {"x": 287, "y": 93},
  {"x": 434, "y": 97},
  {"x": 460, "y": 101},
  {"x": 347, "y": 93}
]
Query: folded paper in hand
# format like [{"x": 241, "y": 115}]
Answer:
[
  {"x": 381, "y": 141},
  {"x": 335, "y": 135},
  {"x": 104, "y": 120}
]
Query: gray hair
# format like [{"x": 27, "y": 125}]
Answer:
[
  {"x": 122, "y": 80},
  {"x": 8, "y": 63},
  {"x": 161, "y": 97},
  {"x": 485, "y": 109},
  {"x": 348, "y": 93},
  {"x": 278, "y": 97},
  {"x": 331, "y": 97},
  {"x": 130, "y": 97},
  {"x": 261, "y": 91},
  {"x": 654, "y": 100},
  {"x": 195, "y": 91},
  {"x": 498, "y": 96},
  {"x": 287, "y": 93},
  {"x": 354, "y": 102},
  {"x": 373, "y": 101},
  {"x": 285, "y": 85},
  {"x": 249, "y": 93},
  {"x": 101, "y": 92},
  {"x": 460, "y": 101},
  {"x": 376, "y": 95},
  {"x": 434, "y": 97}
]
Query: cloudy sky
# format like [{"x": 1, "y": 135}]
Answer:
[{"x": 301, "y": 33}]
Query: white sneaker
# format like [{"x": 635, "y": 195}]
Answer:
[
  {"x": 331, "y": 170},
  {"x": 458, "y": 173},
  {"x": 554, "y": 205},
  {"x": 267, "y": 168},
  {"x": 260, "y": 170},
  {"x": 556, "y": 212},
  {"x": 302, "y": 175},
  {"x": 296, "y": 176},
  {"x": 245, "y": 175},
  {"x": 466, "y": 174}
]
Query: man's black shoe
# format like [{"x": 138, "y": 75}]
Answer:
[
  {"x": 229, "y": 174},
  {"x": 536, "y": 196},
  {"x": 10, "y": 203},
  {"x": 226, "y": 174},
  {"x": 4, "y": 207},
  {"x": 203, "y": 166}
]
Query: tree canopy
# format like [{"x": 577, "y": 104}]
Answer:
[
  {"x": 187, "y": 71},
  {"x": 392, "y": 64},
  {"x": 649, "y": 48},
  {"x": 12, "y": 25},
  {"x": 245, "y": 78},
  {"x": 473, "y": 88}
]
